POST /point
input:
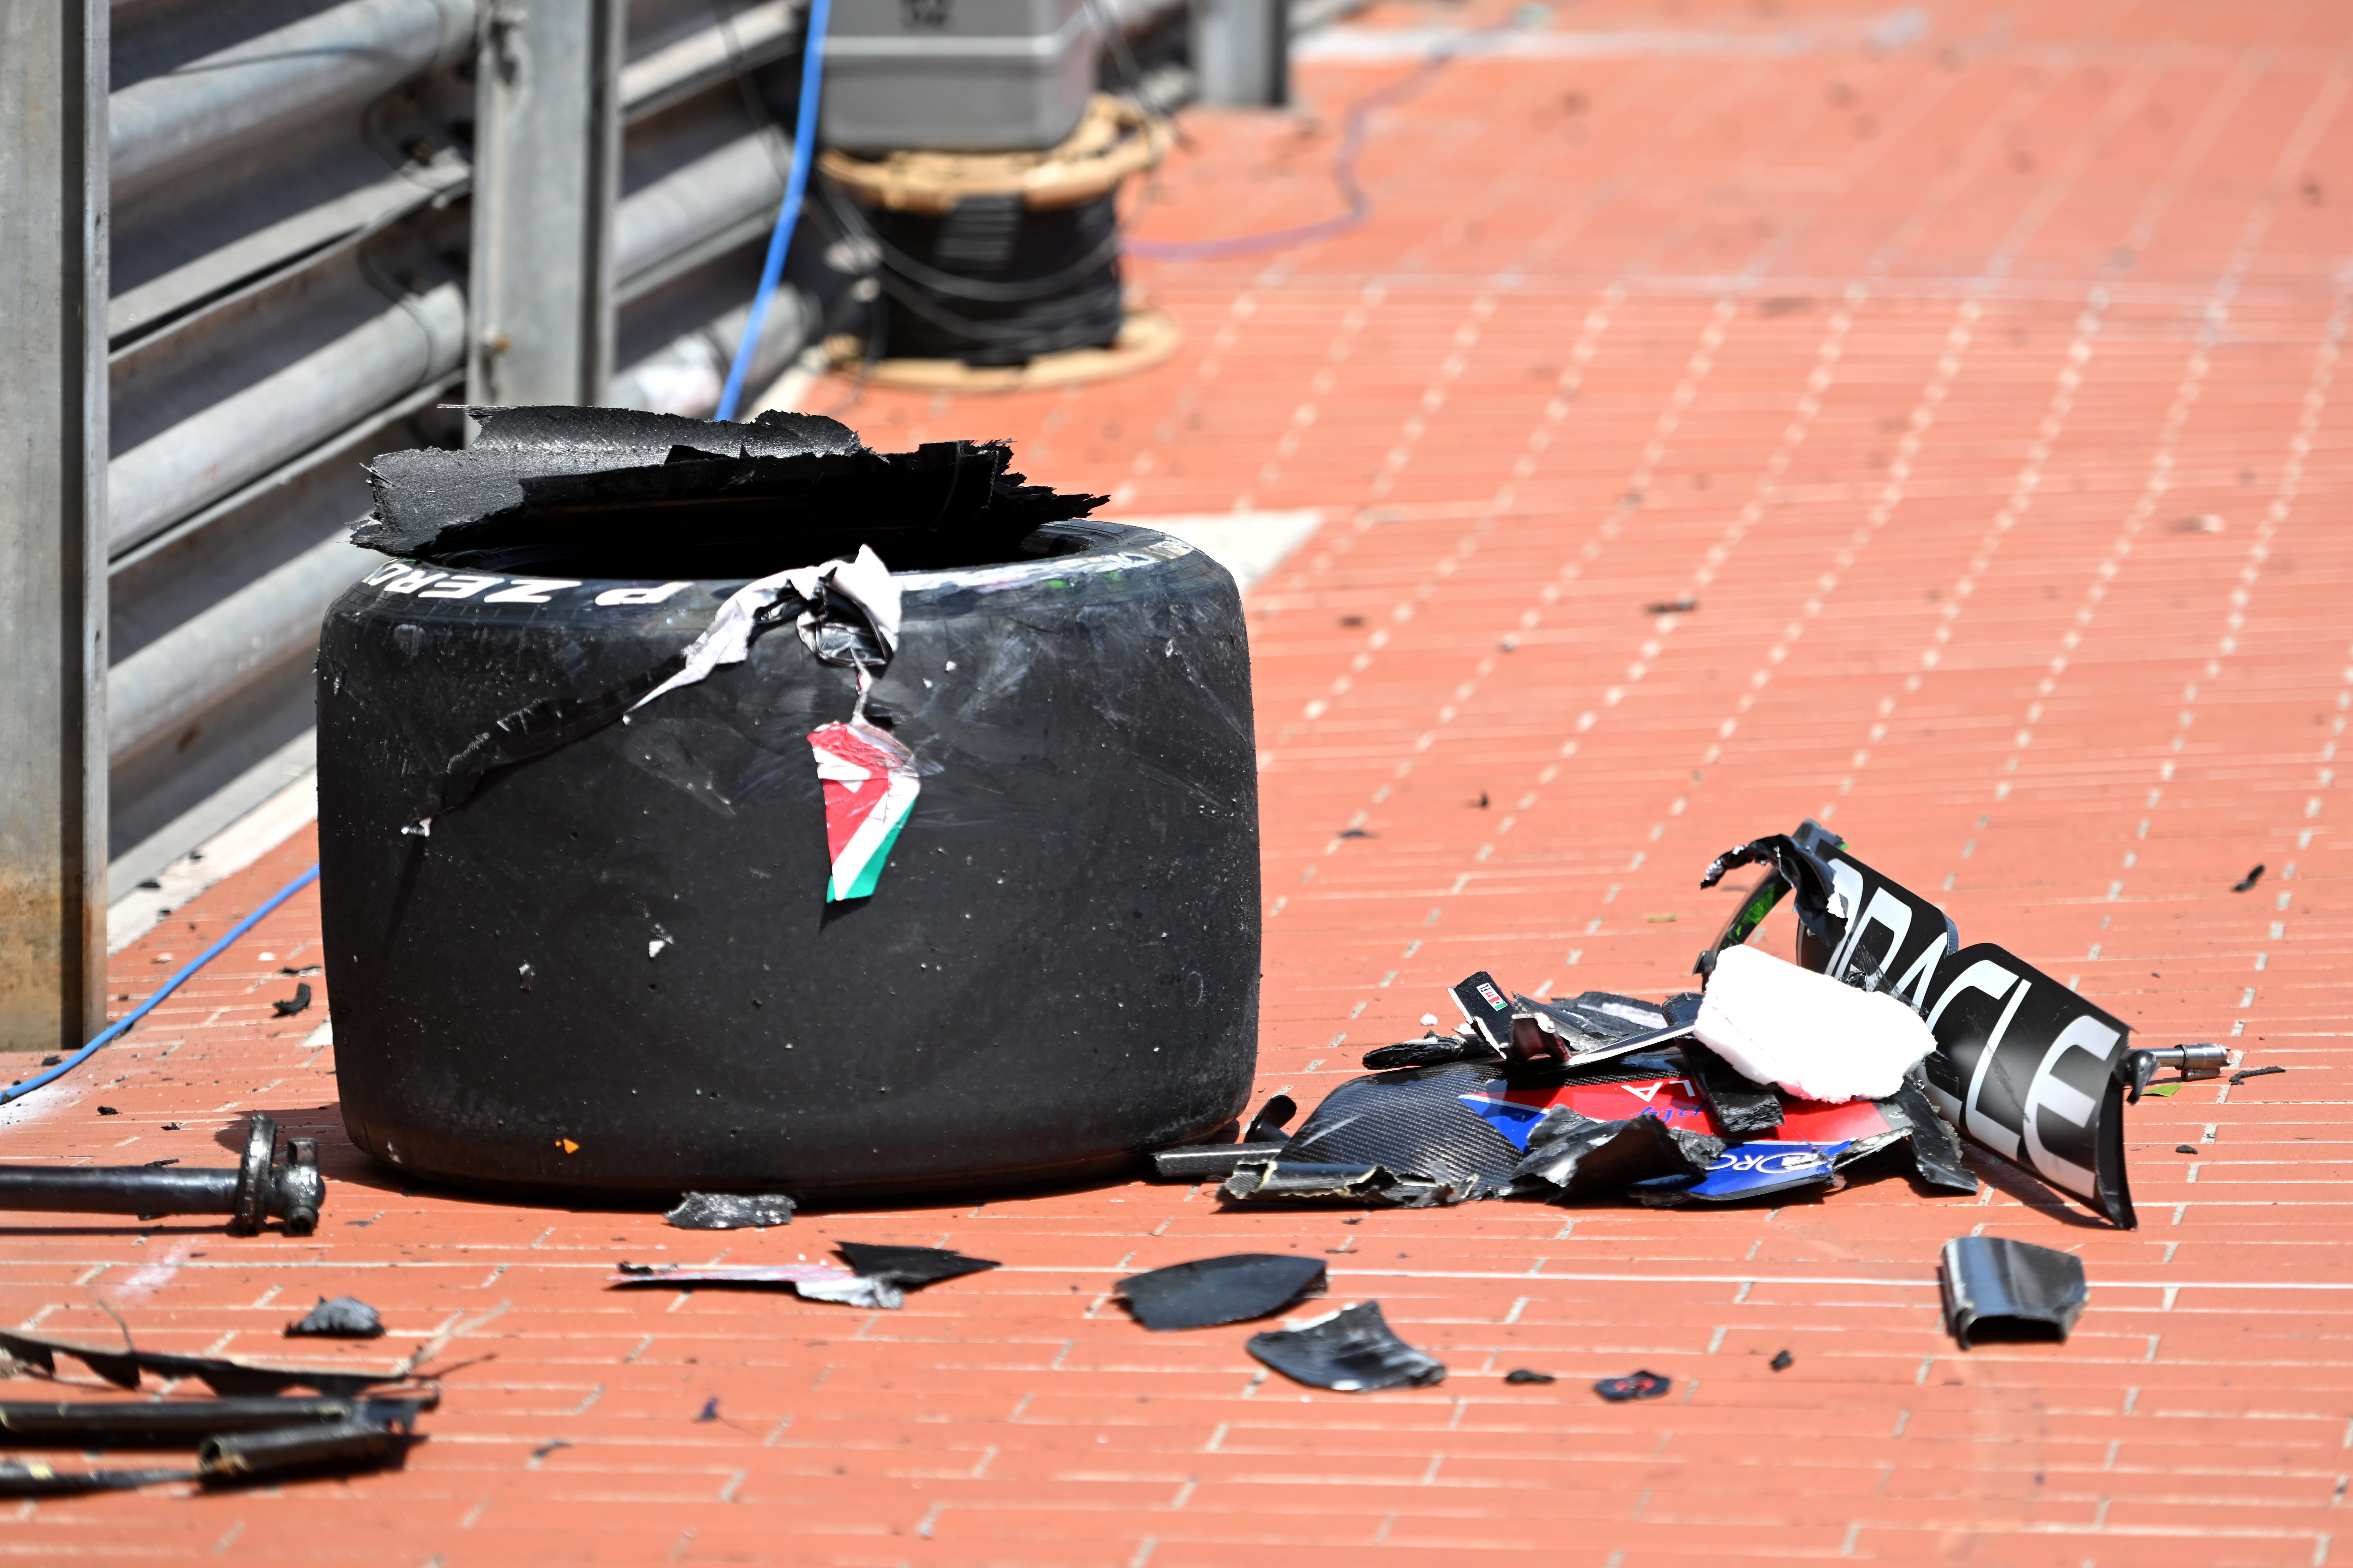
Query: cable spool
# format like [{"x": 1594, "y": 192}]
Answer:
[{"x": 997, "y": 261}]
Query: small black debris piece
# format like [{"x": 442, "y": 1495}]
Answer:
[
  {"x": 306, "y": 969},
  {"x": 345, "y": 1317},
  {"x": 297, "y": 1003},
  {"x": 159, "y": 1165},
  {"x": 626, "y": 1267},
  {"x": 1354, "y": 832},
  {"x": 709, "y": 1411},
  {"x": 1783, "y": 1362},
  {"x": 1213, "y": 1291},
  {"x": 2015, "y": 1289},
  {"x": 2242, "y": 1075},
  {"x": 1639, "y": 1385},
  {"x": 2248, "y": 882},
  {"x": 1209, "y": 1161},
  {"x": 727, "y": 1211},
  {"x": 51, "y": 1061},
  {"x": 169, "y": 1127},
  {"x": 107, "y": 1111},
  {"x": 1272, "y": 1116},
  {"x": 1522, "y": 1375},
  {"x": 908, "y": 1267},
  {"x": 1683, "y": 605},
  {"x": 2184, "y": 1148},
  {"x": 151, "y": 884},
  {"x": 1351, "y": 1350}
]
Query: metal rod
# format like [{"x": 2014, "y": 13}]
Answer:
[{"x": 261, "y": 1187}]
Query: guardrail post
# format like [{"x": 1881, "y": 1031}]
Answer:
[
  {"x": 53, "y": 422},
  {"x": 547, "y": 154},
  {"x": 1241, "y": 52}
]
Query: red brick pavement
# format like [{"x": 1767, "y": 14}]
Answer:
[{"x": 1981, "y": 387}]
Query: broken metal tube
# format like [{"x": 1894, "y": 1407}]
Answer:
[{"x": 260, "y": 1188}]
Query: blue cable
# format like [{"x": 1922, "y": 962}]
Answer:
[
  {"x": 120, "y": 1025},
  {"x": 771, "y": 272}
]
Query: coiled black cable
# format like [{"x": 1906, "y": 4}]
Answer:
[{"x": 992, "y": 280}]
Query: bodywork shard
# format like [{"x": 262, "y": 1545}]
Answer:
[
  {"x": 1213, "y": 1291},
  {"x": 2016, "y": 1288},
  {"x": 1351, "y": 1351}
]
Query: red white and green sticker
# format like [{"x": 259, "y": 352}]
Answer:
[{"x": 869, "y": 784}]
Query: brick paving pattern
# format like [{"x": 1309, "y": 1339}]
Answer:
[{"x": 1976, "y": 375}]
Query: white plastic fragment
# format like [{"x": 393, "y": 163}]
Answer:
[
  {"x": 1806, "y": 1033},
  {"x": 863, "y": 580}
]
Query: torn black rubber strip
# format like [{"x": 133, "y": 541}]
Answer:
[
  {"x": 1267, "y": 1126},
  {"x": 728, "y": 1211},
  {"x": 1351, "y": 1350},
  {"x": 345, "y": 1317},
  {"x": 2016, "y": 1289},
  {"x": 1212, "y": 1290},
  {"x": 221, "y": 1374},
  {"x": 1522, "y": 1374}
]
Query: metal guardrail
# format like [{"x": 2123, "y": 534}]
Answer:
[{"x": 290, "y": 186}]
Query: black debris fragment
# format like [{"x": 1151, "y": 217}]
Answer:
[
  {"x": 1783, "y": 1362},
  {"x": 909, "y": 1267},
  {"x": 626, "y": 1267},
  {"x": 1573, "y": 1157},
  {"x": 306, "y": 969},
  {"x": 107, "y": 1111},
  {"x": 50, "y": 1061},
  {"x": 1351, "y": 1350},
  {"x": 1353, "y": 833},
  {"x": 1742, "y": 1109},
  {"x": 709, "y": 1411},
  {"x": 877, "y": 1277},
  {"x": 727, "y": 1211},
  {"x": 1522, "y": 1375},
  {"x": 2248, "y": 882},
  {"x": 2242, "y": 1075},
  {"x": 1640, "y": 1385},
  {"x": 297, "y": 1003},
  {"x": 345, "y": 1317},
  {"x": 2014, "y": 1287},
  {"x": 1484, "y": 1009},
  {"x": 2184, "y": 1148},
  {"x": 1280, "y": 1180},
  {"x": 159, "y": 1165},
  {"x": 1680, "y": 606},
  {"x": 1267, "y": 1126},
  {"x": 1213, "y": 1291}
]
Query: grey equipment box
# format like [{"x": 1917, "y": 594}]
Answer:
[{"x": 956, "y": 76}]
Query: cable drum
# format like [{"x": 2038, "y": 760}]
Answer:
[{"x": 995, "y": 259}]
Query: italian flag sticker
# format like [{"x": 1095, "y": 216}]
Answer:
[{"x": 870, "y": 787}]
